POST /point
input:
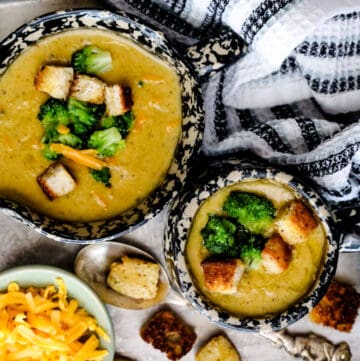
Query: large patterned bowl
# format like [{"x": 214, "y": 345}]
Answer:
[
  {"x": 192, "y": 115},
  {"x": 181, "y": 215}
]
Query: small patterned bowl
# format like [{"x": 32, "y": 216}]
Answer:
[
  {"x": 181, "y": 215},
  {"x": 192, "y": 114}
]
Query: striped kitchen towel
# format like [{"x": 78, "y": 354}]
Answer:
[{"x": 293, "y": 97}]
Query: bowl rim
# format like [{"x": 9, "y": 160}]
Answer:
[
  {"x": 53, "y": 272},
  {"x": 186, "y": 152},
  {"x": 179, "y": 222}
]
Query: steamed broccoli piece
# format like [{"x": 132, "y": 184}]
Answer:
[
  {"x": 250, "y": 250},
  {"x": 50, "y": 154},
  {"x": 256, "y": 213},
  {"x": 102, "y": 176},
  {"x": 123, "y": 123},
  {"x": 226, "y": 237},
  {"x": 91, "y": 60},
  {"x": 69, "y": 139},
  {"x": 219, "y": 235},
  {"x": 106, "y": 142},
  {"x": 84, "y": 116},
  {"x": 53, "y": 113}
]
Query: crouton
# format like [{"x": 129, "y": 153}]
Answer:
[
  {"x": 222, "y": 275},
  {"x": 169, "y": 334},
  {"x": 56, "y": 181},
  {"x": 134, "y": 277},
  {"x": 338, "y": 308},
  {"x": 276, "y": 255},
  {"x": 295, "y": 223},
  {"x": 55, "y": 81},
  {"x": 218, "y": 348},
  {"x": 88, "y": 89},
  {"x": 118, "y": 100}
]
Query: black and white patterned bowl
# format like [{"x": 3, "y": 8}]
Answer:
[
  {"x": 179, "y": 223},
  {"x": 192, "y": 114}
]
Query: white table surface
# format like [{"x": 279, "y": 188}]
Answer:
[{"x": 20, "y": 245}]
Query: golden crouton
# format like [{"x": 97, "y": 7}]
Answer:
[
  {"x": 296, "y": 223},
  {"x": 338, "y": 308},
  {"x": 222, "y": 275},
  {"x": 169, "y": 334},
  {"x": 56, "y": 181},
  {"x": 276, "y": 255},
  {"x": 54, "y": 80},
  {"x": 88, "y": 89},
  {"x": 218, "y": 348},
  {"x": 134, "y": 277},
  {"x": 118, "y": 100}
]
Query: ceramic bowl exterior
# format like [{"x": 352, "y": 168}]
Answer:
[
  {"x": 192, "y": 114},
  {"x": 183, "y": 212},
  {"x": 41, "y": 276}
]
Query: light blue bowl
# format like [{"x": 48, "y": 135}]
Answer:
[{"x": 40, "y": 276}]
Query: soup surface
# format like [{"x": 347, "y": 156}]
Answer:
[
  {"x": 258, "y": 293},
  {"x": 136, "y": 170}
]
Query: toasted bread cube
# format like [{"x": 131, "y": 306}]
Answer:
[
  {"x": 134, "y": 277},
  {"x": 118, "y": 100},
  {"x": 338, "y": 308},
  {"x": 222, "y": 275},
  {"x": 296, "y": 223},
  {"x": 218, "y": 348},
  {"x": 276, "y": 255},
  {"x": 55, "y": 81},
  {"x": 56, "y": 181},
  {"x": 169, "y": 334},
  {"x": 88, "y": 89}
]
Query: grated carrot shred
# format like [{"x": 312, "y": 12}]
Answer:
[{"x": 43, "y": 324}]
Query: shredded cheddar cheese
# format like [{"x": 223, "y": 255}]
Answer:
[{"x": 43, "y": 324}]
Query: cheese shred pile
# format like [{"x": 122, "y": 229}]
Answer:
[{"x": 43, "y": 324}]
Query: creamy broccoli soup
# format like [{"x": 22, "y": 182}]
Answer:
[
  {"x": 136, "y": 170},
  {"x": 258, "y": 292}
]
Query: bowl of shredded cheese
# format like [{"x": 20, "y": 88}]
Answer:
[{"x": 49, "y": 314}]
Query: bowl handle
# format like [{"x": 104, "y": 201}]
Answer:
[
  {"x": 348, "y": 223},
  {"x": 211, "y": 55},
  {"x": 309, "y": 347}
]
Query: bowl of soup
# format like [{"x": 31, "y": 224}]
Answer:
[
  {"x": 148, "y": 167},
  {"x": 251, "y": 247}
]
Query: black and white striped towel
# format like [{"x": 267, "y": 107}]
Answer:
[{"x": 294, "y": 97}]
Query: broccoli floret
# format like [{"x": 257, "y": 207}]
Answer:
[
  {"x": 91, "y": 60},
  {"x": 226, "y": 237},
  {"x": 255, "y": 212},
  {"x": 123, "y": 123},
  {"x": 219, "y": 235},
  {"x": 102, "y": 176},
  {"x": 250, "y": 250},
  {"x": 50, "y": 154},
  {"x": 53, "y": 113},
  {"x": 69, "y": 139},
  {"x": 84, "y": 116},
  {"x": 106, "y": 142}
]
